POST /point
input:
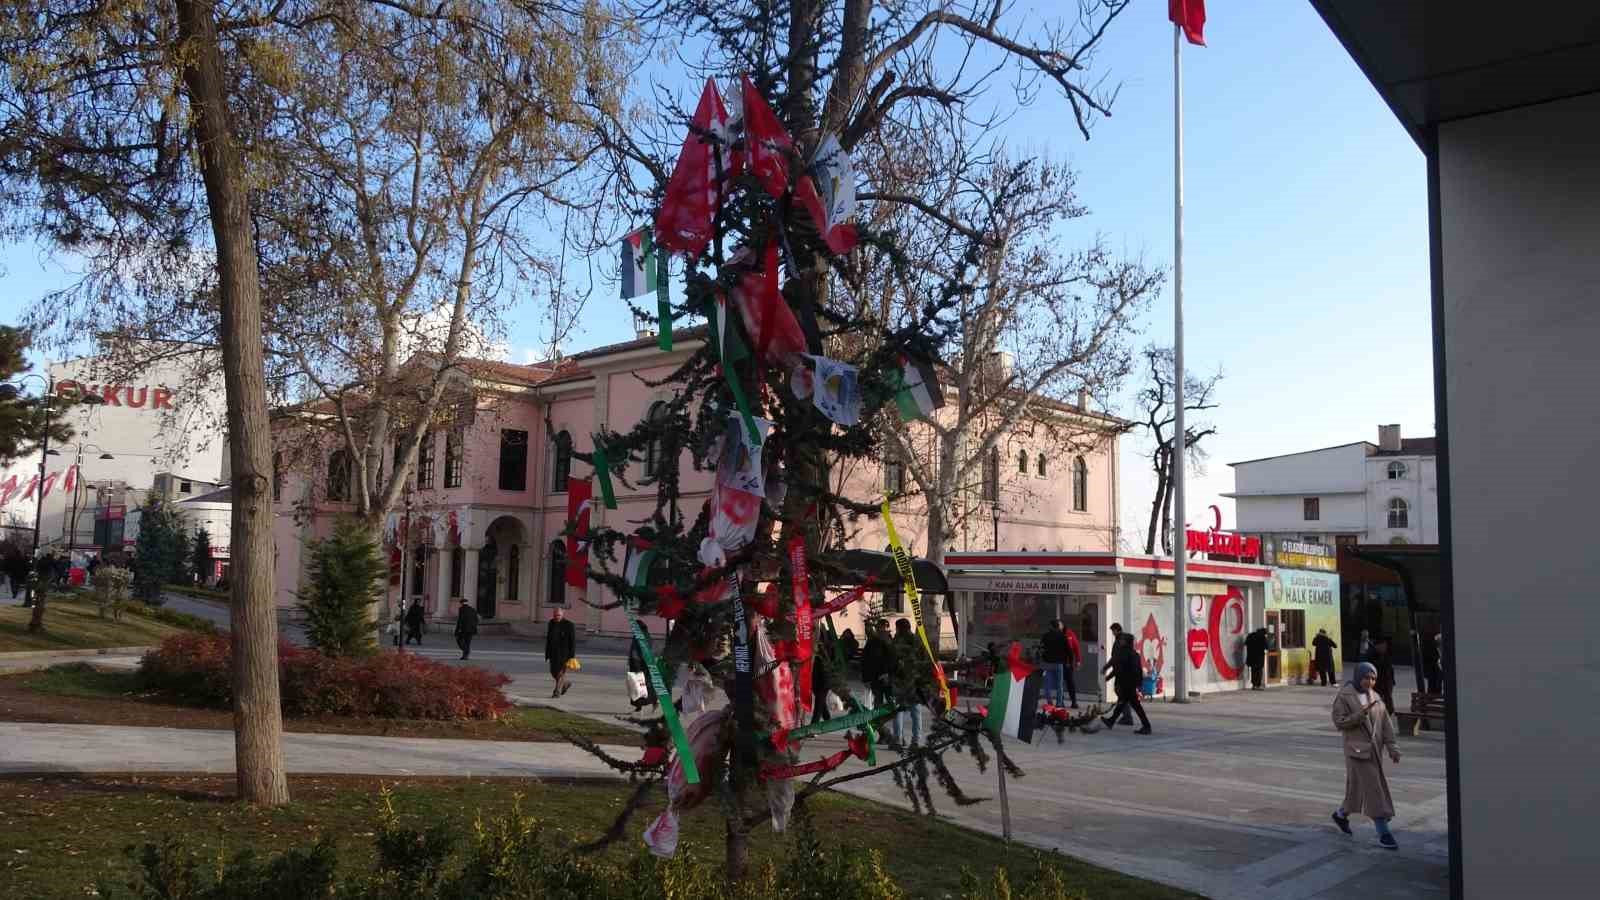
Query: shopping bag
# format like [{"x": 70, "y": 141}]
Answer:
[
  {"x": 636, "y": 690},
  {"x": 573, "y": 664}
]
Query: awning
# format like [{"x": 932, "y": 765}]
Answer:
[
  {"x": 860, "y": 565},
  {"x": 1193, "y": 586}
]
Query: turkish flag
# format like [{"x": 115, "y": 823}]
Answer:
[
  {"x": 1190, "y": 15},
  {"x": 578, "y": 499},
  {"x": 767, "y": 316},
  {"x": 766, "y": 143},
  {"x": 694, "y": 191}
]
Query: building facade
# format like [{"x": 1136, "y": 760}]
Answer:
[
  {"x": 488, "y": 498},
  {"x": 1359, "y": 493}
]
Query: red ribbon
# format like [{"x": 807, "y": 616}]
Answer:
[
  {"x": 669, "y": 603},
  {"x": 844, "y": 599},
  {"x": 857, "y": 747}
]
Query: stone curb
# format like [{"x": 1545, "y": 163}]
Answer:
[{"x": 24, "y": 655}]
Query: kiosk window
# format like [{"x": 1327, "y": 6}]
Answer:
[{"x": 1294, "y": 629}]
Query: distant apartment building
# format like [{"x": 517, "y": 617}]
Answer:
[{"x": 1358, "y": 493}]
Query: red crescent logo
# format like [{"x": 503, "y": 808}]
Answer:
[{"x": 1219, "y": 608}]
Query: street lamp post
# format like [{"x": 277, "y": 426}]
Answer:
[
  {"x": 994, "y": 508},
  {"x": 69, "y": 530}
]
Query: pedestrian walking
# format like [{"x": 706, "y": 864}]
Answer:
[
  {"x": 414, "y": 619},
  {"x": 823, "y": 660},
  {"x": 1255, "y": 656},
  {"x": 637, "y": 667},
  {"x": 560, "y": 648},
  {"x": 1053, "y": 654},
  {"x": 1432, "y": 674},
  {"x": 1364, "y": 648},
  {"x": 1323, "y": 647},
  {"x": 877, "y": 663},
  {"x": 907, "y": 653},
  {"x": 1383, "y": 662},
  {"x": 1368, "y": 732},
  {"x": 466, "y": 628},
  {"x": 1074, "y": 658},
  {"x": 1126, "y": 675},
  {"x": 1109, "y": 667}
]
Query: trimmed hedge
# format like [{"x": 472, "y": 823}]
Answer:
[{"x": 197, "y": 669}]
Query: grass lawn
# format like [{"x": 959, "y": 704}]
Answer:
[
  {"x": 78, "y": 694},
  {"x": 59, "y": 835},
  {"x": 73, "y": 625}
]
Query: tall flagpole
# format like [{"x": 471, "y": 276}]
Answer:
[{"x": 1180, "y": 553}]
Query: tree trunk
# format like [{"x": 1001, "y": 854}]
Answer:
[
  {"x": 1156, "y": 506},
  {"x": 736, "y": 852},
  {"x": 257, "y": 713}
]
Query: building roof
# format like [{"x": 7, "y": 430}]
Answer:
[
  {"x": 1438, "y": 61},
  {"x": 694, "y": 333},
  {"x": 223, "y": 494},
  {"x": 1244, "y": 462},
  {"x": 1427, "y": 446}
]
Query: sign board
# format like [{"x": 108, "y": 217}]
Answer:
[
  {"x": 1032, "y": 584},
  {"x": 1301, "y": 555}
]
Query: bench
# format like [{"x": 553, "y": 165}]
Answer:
[{"x": 1428, "y": 712}]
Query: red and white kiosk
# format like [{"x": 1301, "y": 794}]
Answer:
[{"x": 1002, "y": 597}]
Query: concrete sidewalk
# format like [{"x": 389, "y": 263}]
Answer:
[{"x": 1229, "y": 798}]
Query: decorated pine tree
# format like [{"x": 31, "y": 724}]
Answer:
[{"x": 802, "y": 372}]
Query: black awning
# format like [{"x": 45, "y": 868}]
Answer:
[{"x": 860, "y": 565}]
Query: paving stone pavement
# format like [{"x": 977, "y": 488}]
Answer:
[{"x": 1229, "y": 798}]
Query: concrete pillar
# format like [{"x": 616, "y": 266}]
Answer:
[
  {"x": 469, "y": 575},
  {"x": 441, "y": 582}
]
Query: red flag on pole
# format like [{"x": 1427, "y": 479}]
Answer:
[
  {"x": 578, "y": 494},
  {"x": 766, "y": 143},
  {"x": 1190, "y": 15}
]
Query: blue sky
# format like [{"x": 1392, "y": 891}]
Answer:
[{"x": 1306, "y": 268}]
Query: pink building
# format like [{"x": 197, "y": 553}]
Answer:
[{"x": 489, "y": 500}]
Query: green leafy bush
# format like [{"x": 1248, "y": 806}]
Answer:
[{"x": 111, "y": 594}]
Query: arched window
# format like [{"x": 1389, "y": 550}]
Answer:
[
  {"x": 1040, "y": 461},
  {"x": 656, "y": 418},
  {"x": 1080, "y": 484},
  {"x": 1022, "y": 462},
  {"x": 419, "y": 570},
  {"x": 513, "y": 571},
  {"x": 556, "y": 587},
  {"x": 339, "y": 474},
  {"x": 561, "y": 462},
  {"x": 991, "y": 477},
  {"x": 458, "y": 566},
  {"x": 1399, "y": 513},
  {"x": 1397, "y": 470}
]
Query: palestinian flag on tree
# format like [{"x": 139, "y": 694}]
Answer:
[
  {"x": 636, "y": 567},
  {"x": 1014, "y": 702},
  {"x": 638, "y": 264},
  {"x": 919, "y": 393}
]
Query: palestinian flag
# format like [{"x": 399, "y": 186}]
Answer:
[
  {"x": 919, "y": 394},
  {"x": 1014, "y": 702},
  {"x": 638, "y": 264},
  {"x": 636, "y": 566}
]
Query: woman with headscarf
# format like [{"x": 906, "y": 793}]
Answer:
[{"x": 1368, "y": 730}]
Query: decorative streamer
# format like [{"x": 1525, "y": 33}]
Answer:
[
  {"x": 664, "y": 304},
  {"x": 602, "y": 471},
  {"x": 858, "y": 747},
  {"x": 846, "y": 598},
  {"x": 903, "y": 563},
  {"x": 781, "y": 737},
  {"x": 669, "y": 712},
  {"x": 743, "y": 679},
  {"x": 804, "y": 633}
]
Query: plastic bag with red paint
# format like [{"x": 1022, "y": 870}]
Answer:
[{"x": 705, "y": 735}]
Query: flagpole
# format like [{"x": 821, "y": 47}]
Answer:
[{"x": 1179, "y": 640}]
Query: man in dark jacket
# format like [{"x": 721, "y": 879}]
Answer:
[
  {"x": 1126, "y": 675},
  {"x": 466, "y": 627},
  {"x": 1322, "y": 648},
  {"x": 1110, "y": 666},
  {"x": 1255, "y": 656},
  {"x": 877, "y": 663},
  {"x": 636, "y": 664},
  {"x": 560, "y": 645},
  {"x": 1053, "y": 653},
  {"x": 414, "y": 619}
]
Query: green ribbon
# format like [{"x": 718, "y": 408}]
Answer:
[
  {"x": 664, "y": 305},
  {"x": 680, "y": 740},
  {"x": 602, "y": 469},
  {"x": 731, "y": 349},
  {"x": 861, "y": 717}
]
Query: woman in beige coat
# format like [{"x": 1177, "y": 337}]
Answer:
[{"x": 1368, "y": 730}]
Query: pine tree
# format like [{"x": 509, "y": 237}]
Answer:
[
  {"x": 161, "y": 552},
  {"x": 343, "y": 579}
]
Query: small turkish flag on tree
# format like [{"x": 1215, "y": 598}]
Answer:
[{"x": 1190, "y": 15}]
